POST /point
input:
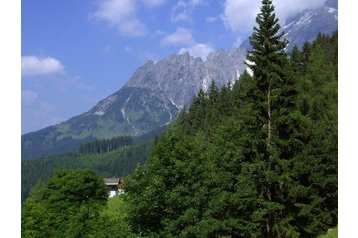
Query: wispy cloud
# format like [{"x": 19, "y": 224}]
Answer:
[
  {"x": 182, "y": 36},
  {"x": 183, "y": 10},
  {"x": 35, "y": 66},
  {"x": 153, "y": 3},
  {"x": 211, "y": 19},
  {"x": 43, "y": 113},
  {"x": 28, "y": 96},
  {"x": 120, "y": 14},
  {"x": 77, "y": 82},
  {"x": 198, "y": 50}
]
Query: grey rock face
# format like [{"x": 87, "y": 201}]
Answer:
[
  {"x": 178, "y": 78},
  {"x": 223, "y": 66},
  {"x": 309, "y": 23},
  {"x": 169, "y": 76},
  {"x": 151, "y": 98},
  {"x": 157, "y": 91}
]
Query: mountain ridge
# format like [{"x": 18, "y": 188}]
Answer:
[
  {"x": 156, "y": 92},
  {"x": 306, "y": 25}
]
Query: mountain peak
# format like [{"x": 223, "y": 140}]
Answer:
[{"x": 157, "y": 91}]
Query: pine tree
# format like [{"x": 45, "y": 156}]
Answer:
[{"x": 277, "y": 135}]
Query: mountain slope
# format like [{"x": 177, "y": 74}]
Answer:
[
  {"x": 157, "y": 91},
  {"x": 152, "y": 98},
  {"x": 306, "y": 25},
  {"x": 309, "y": 23}
]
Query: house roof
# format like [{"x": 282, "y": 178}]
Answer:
[{"x": 111, "y": 181}]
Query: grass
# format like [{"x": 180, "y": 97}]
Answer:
[
  {"x": 116, "y": 218},
  {"x": 116, "y": 207},
  {"x": 332, "y": 234}
]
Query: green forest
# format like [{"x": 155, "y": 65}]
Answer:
[
  {"x": 105, "y": 145},
  {"x": 117, "y": 163},
  {"x": 255, "y": 158}
]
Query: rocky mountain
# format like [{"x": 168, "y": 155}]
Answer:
[
  {"x": 157, "y": 91},
  {"x": 306, "y": 25},
  {"x": 152, "y": 98}
]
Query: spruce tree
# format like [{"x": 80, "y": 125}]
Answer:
[
  {"x": 246, "y": 160},
  {"x": 276, "y": 136}
]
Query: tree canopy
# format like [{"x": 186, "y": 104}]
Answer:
[
  {"x": 67, "y": 206},
  {"x": 256, "y": 158}
]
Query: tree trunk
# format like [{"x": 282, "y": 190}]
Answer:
[{"x": 269, "y": 116}]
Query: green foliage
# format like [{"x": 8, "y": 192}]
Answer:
[
  {"x": 113, "y": 220},
  {"x": 105, "y": 145},
  {"x": 118, "y": 163},
  {"x": 254, "y": 159},
  {"x": 67, "y": 206},
  {"x": 47, "y": 142}
]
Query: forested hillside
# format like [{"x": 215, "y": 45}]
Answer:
[
  {"x": 254, "y": 159},
  {"x": 117, "y": 163},
  {"x": 117, "y": 156},
  {"x": 105, "y": 145}
]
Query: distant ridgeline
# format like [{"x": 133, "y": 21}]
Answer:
[
  {"x": 117, "y": 157},
  {"x": 105, "y": 145}
]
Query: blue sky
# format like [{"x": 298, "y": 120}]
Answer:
[{"x": 77, "y": 52}]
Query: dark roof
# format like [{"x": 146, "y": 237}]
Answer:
[{"x": 111, "y": 181}]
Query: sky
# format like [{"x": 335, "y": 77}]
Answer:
[{"x": 76, "y": 52}]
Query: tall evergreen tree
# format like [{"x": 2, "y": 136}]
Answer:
[
  {"x": 242, "y": 161},
  {"x": 277, "y": 133}
]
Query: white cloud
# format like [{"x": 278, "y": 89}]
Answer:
[
  {"x": 211, "y": 19},
  {"x": 196, "y": 2},
  {"x": 159, "y": 33},
  {"x": 198, "y": 50},
  {"x": 183, "y": 10},
  {"x": 182, "y": 16},
  {"x": 181, "y": 36},
  {"x": 120, "y": 14},
  {"x": 239, "y": 15},
  {"x": 184, "y": 37},
  {"x": 289, "y": 8},
  {"x": 32, "y": 66},
  {"x": 154, "y": 3},
  {"x": 28, "y": 96}
]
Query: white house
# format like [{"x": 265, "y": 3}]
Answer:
[{"x": 113, "y": 186}]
